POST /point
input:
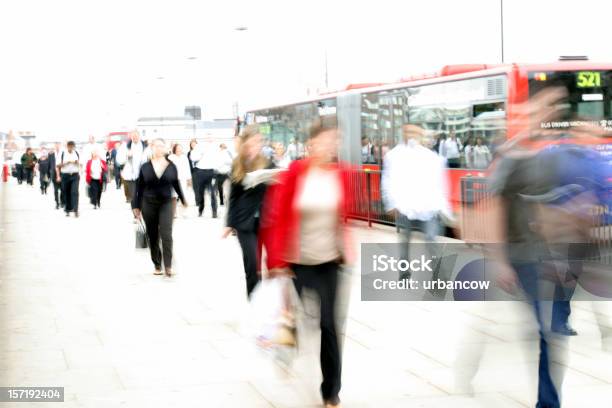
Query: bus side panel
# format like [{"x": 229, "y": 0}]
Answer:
[{"x": 348, "y": 111}]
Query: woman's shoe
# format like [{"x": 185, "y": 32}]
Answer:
[
  {"x": 157, "y": 272},
  {"x": 168, "y": 272}
]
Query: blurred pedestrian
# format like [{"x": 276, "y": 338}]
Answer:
[
  {"x": 54, "y": 157},
  {"x": 17, "y": 156},
  {"x": 153, "y": 202},
  {"x": 116, "y": 167},
  {"x": 132, "y": 156},
  {"x": 414, "y": 188},
  {"x": 245, "y": 202},
  {"x": 223, "y": 171},
  {"x": 193, "y": 145},
  {"x": 95, "y": 171},
  {"x": 44, "y": 171},
  {"x": 481, "y": 155},
  {"x": 451, "y": 149},
  {"x": 305, "y": 236},
  {"x": 69, "y": 166},
  {"x": 181, "y": 162},
  {"x": 28, "y": 162},
  {"x": 206, "y": 158}
]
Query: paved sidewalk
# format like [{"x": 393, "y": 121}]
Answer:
[{"x": 80, "y": 308}]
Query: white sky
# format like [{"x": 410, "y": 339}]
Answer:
[{"x": 70, "y": 68}]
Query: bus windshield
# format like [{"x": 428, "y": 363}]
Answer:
[{"x": 589, "y": 98}]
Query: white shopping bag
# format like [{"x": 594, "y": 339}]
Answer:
[{"x": 273, "y": 317}]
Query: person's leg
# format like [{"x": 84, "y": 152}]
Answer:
[
  {"x": 95, "y": 192},
  {"x": 165, "y": 231},
  {"x": 150, "y": 215},
  {"x": 331, "y": 365},
  {"x": 19, "y": 169},
  {"x": 548, "y": 397},
  {"x": 199, "y": 189},
  {"x": 406, "y": 226},
  {"x": 220, "y": 182},
  {"x": 42, "y": 184},
  {"x": 126, "y": 191},
  {"x": 56, "y": 193},
  {"x": 92, "y": 192},
  {"x": 195, "y": 186},
  {"x": 209, "y": 186},
  {"x": 66, "y": 192},
  {"x": 75, "y": 192},
  {"x": 248, "y": 244},
  {"x": 99, "y": 197}
]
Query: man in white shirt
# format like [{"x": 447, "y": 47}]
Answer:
[
  {"x": 207, "y": 161},
  {"x": 223, "y": 170},
  {"x": 68, "y": 165},
  {"x": 451, "y": 150},
  {"x": 132, "y": 156},
  {"x": 414, "y": 186}
]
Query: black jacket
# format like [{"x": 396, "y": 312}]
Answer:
[
  {"x": 44, "y": 168},
  {"x": 52, "y": 166},
  {"x": 245, "y": 206},
  {"x": 158, "y": 189}
]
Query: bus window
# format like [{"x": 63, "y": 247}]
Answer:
[
  {"x": 382, "y": 116},
  {"x": 286, "y": 128},
  {"x": 460, "y": 115}
]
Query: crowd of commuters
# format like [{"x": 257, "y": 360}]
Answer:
[{"x": 288, "y": 210}]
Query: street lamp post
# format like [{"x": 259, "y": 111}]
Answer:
[{"x": 502, "y": 29}]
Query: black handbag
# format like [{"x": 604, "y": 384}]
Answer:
[{"x": 141, "y": 235}]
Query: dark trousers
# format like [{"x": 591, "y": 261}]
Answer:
[
  {"x": 70, "y": 189},
  {"x": 205, "y": 182},
  {"x": 323, "y": 279},
  {"x": 454, "y": 163},
  {"x": 95, "y": 192},
  {"x": 129, "y": 187},
  {"x": 157, "y": 216},
  {"x": 29, "y": 175},
  {"x": 548, "y": 397},
  {"x": 250, "y": 258},
  {"x": 44, "y": 184},
  {"x": 220, "y": 180},
  {"x": 57, "y": 193},
  {"x": 19, "y": 169},
  {"x": 117, "y": 174},
  {"x": 194, "y": 185}
]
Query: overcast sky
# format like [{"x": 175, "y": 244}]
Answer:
[{"x": 73, "y": 68}]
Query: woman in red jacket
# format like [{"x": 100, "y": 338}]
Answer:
[
  {"x": 305, "y": 235},
  {"x": 94, "y": 176}
]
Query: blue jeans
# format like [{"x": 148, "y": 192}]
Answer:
[
  {"x": 548, "y": 397},
  {"x": 430, "y": 228}
]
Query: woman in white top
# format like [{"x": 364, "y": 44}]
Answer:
[{"x": 181, "y": 161}]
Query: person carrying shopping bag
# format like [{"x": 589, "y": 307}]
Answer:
[
  {"x": 153, "y": 202},
  {"x": 305, "y": 236}
]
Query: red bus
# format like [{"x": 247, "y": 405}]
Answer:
[
  {"x": 115, "y": 137},
  {"x": 472, "y": 101}
]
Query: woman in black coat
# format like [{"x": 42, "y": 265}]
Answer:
[
  {"x": 153, "y": 202},
  {"x": 245, "y": 200}
]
